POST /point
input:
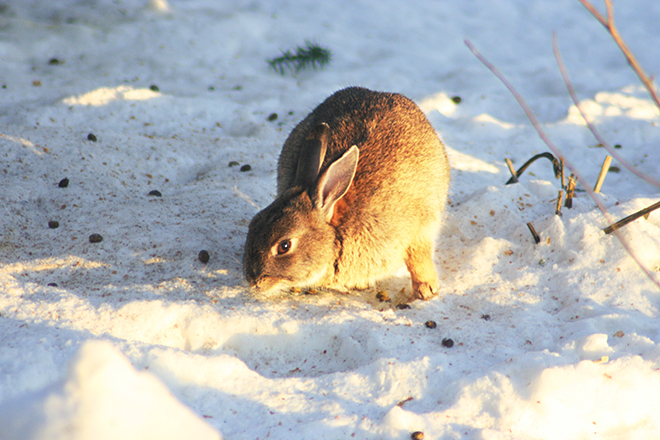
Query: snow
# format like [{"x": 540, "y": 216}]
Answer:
[
  {"x": 103, "y": 397},
  {"x": 133, "y": 337}
]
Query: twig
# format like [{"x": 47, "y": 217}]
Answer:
[
  {"x": 631, "y": 218},
  {"x": 537, "y": 239},
  {"x": 592, "y": 128},
  {"x": 557, "y": 153},
  {"x": 612, "y": 29},
  {"x": 560, "y": 199},
  {"x": 514, "y": 175},
  {"x": 570, "y": 189},
  {"x": 311, "y": 55},
  {"x": 555, "y": 166},
  {"x": 603, "y": 172}
]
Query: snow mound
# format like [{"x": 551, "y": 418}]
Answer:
[{"x": 102, "y": 397}]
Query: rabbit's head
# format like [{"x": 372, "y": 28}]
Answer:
[{"x": 292, "y": 242}]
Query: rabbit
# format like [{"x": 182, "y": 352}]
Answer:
[{"x": 362, "y": 182}]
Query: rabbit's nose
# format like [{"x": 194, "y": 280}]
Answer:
[
  {"x": 252, "y": 273},
  {"x": 251, "y": 276}
]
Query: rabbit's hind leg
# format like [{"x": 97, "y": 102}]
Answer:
[{"x": 419, "y": 261}]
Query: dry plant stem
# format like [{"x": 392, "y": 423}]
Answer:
[
  {"x": 560, "y": 199},
  {"x": 631, "y": 218},
  {"x": 514, "y": 177},
  {"x": 537, "y": 239},
  {"x": 592, "y": 128},
  {"x": 603, "y": 172},
  {"x": 611, "y": 28},
  {"x": 556, "y": 167},
  {"x": 557, "y": 153},
  {"x": 570, "y": 189}
]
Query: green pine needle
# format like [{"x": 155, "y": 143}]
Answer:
[{"x": 312, "y": 55}]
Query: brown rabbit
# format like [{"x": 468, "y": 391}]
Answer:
[{"x": 361, "y": 185}]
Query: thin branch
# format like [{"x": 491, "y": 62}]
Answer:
[
  {"x": 556, "y": 167},
  {"x": 612, "y": 29},
  {"x": 557, "y": 153},
  {"x": 631, "y": 218},
  {"x": 595, "y": 12},
  {"x": 603, "y": 172},
  {"x": 514, "y": 175},
  {"x": 560, "y": 199},
  {"x": 571, "y": 91},
  {"x": 535, "y": 235},
  {"x": 312, "y": 55},
  {"x": 570, "y": 190}
]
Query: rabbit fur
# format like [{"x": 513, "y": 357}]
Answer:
[{"x": 361, "y": 185}]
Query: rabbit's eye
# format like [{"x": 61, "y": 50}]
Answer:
[{"x": 283, "y": 247}]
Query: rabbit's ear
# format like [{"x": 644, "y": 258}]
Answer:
[
  {"x": 336, "y": 180},
  {"x": 311, "y": 157}
]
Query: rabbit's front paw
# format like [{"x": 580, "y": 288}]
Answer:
[
  {"x": 424, "y": 291},
  {"x": 419, "y": 260}
]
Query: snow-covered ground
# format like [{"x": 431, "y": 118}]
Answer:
[{"x": 134, "y": 338}]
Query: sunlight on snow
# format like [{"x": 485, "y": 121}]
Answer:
[
  {"x": 440, "y": 102},
  {"x": 71, "y": 261},
  {"x": 613, "y": 104},
  {"x": 465, "y": 162},
  {"x": 24, "y": 142},
  {"x": 485, "y": 118},
  {"x": 106, "y": 95}
]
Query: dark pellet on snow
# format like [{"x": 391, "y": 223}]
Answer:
[
  {"x": 52, "y": 284},
  {"x": 485, "y": 317},
  {"x": 95, "y": 238},
  {"x": 63, "y": 183},
  {"x": 430, "y": 324},
  {"x": 272, "y": 117},
  {"x": 382, "y": 296},
  {"x": 154, "y": 88},
  {"x": 403, "y": 306},
  {"x": 448, "y": 342},
  {"x": 457, "y": 99},
  {"x": 52, "y": 224},
  {"x": 203, "y": 256},
  {"x": 233, "y": 163},
  {"x": 246, "y": 167},
  {"x": 155, "y": 193},
  {"x": 91, "y": 137}
]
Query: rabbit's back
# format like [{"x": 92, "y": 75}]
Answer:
[{"x": 388, "y": 128}]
